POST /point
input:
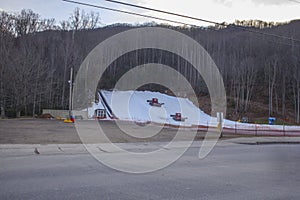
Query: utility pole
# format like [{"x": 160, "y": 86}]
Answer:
[
  {"x": 70, "y": 93},
  {"x": 71, "y": 82}
]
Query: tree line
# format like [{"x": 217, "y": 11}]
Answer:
[{"x": 37, "y": 54}]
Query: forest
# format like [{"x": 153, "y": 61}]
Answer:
[{"x": 259, "y": 62}]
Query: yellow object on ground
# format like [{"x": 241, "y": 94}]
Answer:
[{"x": 68, "y": 121}]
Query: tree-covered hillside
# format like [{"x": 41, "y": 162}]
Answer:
[{"x": 261, "y": 71}]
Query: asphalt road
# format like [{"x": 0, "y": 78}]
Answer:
[{"x": 230, "y": 172}]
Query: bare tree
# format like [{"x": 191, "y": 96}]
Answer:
[
  {"x": 80, "y": 20},
  {"x": 27, "y": 22},
  {"x": 6, "y": 41},
  {"x": 296, "y": 84},
  {"x": 272, "y": 72}
]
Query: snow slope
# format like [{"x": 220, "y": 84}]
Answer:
[{"x": 133, "y": 106}]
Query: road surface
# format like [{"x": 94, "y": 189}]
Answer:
[{"x": 231, "y": 171}]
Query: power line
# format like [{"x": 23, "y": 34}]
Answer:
[
  {"x": 179, "y": 15},
  {"x": 165, "y": 12},
  {"x": 202, "y": 20},
  {"x": 130, "y": 13}
]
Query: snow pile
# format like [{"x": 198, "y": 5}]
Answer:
[{"x": 133, "y": 106}]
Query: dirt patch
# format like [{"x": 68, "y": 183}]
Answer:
[
  {"x": 52, "y": 131},
  {"x": 37, "y": 131},
  {"x": 46, "y": 116}
]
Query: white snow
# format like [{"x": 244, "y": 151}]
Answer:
[{"x": 133, "y": 106}]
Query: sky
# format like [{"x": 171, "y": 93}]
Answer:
[{"x": 214, "y": 10}]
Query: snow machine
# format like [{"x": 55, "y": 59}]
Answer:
[
  {"x": 154, "y": 102},
  {"x": 177, "y": 117}
]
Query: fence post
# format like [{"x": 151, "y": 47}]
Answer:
[
  {"x": 207, "y": 126},
  {"x": 220, "y": 119},
  {"x": 255, "y": 129},
  {"x": 235, "y": 128}
]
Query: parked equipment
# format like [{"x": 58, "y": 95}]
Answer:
[
  {"x": 178, "y": 117},
  {"x": 154, "y": 102}
]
